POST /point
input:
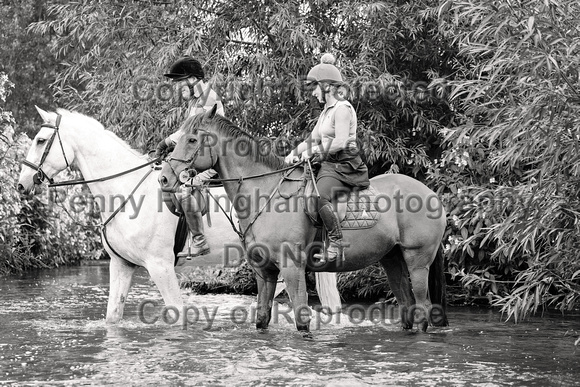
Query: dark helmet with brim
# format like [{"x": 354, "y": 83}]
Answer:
[{"x": 184, "y": 68}]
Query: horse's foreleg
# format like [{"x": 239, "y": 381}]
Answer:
[
  {"x": 120, "y": 275},
  {"x": 398, "y": 276},
  {"x": 163, "y": 274},
  {"x": 266, "y": 288},
  {"x": 295, "y": 278}
]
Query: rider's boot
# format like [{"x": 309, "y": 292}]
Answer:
[
  {"x": 199, "y": 245},
  {"x": 335, "y": 249}
]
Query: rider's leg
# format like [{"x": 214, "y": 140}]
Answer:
[
  {"x": 329, "y": 189},
  {"x": 192, "y": 210}
]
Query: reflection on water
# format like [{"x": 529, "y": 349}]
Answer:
[{"x": 52, "y": 331}]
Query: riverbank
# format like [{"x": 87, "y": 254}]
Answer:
[{"x": 369, "y": 285}]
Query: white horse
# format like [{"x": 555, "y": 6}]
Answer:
[{"x": 142, "y": 234}]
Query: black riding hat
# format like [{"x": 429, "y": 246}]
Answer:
[{"x": 184, "y": 68}]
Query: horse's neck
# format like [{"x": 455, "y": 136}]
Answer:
[
  {"x": 234, "y": 166},
  {"x": 255, "y": 191},
  {"x": 100, "y": 155}
]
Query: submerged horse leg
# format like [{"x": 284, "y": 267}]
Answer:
[
  {"x": 418, "y": 262},
  {"x": 295, "y": 278},
  {"x": 163, "y": 274},
  {"x": 266, "y": 281},
  {"x": 120, "y": 275},
  {"x": 399, "y": 282}
]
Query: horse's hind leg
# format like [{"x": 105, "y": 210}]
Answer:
[
  {"x": 266, "y": 281},
  {"x": 418, "y": 263},
  {"x": 120, "y": 275},
  {"x": 400, "y": 284}
]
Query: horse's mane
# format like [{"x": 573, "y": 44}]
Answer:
[
  {"x": 227, "y": 128},
  {"x": 81, "y": 120}
]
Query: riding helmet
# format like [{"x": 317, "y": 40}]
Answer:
[
  {"x": 184, "y": 68},
  {"x": 326, "y": 71}
]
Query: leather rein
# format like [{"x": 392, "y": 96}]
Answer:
[{"x": 241, "y": 234}]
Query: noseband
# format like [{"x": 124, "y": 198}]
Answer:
[{"x": 40, "y": 175}]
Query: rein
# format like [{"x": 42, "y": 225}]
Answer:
[
  {"x": 103, "y": 226},
  {"x": 242, "y": 178},
  {"x": 119, "y": 209},
  {"x": 242, "y": 234},
  {"x": 105, "y": 178}
]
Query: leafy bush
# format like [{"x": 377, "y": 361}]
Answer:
[
  {"x": 238, "y": 280},
  {"x": 38, "y": 231},
  {"x": 369, "y": 283},
  {"x": 510, "y": 172}
]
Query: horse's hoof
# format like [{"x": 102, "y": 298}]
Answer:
[
  {"x": 307, "y": 335},
  {"x": 424, "y": 326},
  {"x": 262, "y": 330}
]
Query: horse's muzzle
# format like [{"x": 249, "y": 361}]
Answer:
[{"x": 166, "y": 185}]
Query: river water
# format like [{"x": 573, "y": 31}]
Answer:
[{"x": 52, "y": 332}]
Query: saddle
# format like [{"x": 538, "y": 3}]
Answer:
[{"x": 355, "y": 210}]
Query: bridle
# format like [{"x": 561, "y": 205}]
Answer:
[
  {"x": 190, "y": 172},
  {"x": 40, "y": 175}
]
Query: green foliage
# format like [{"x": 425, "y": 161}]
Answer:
[
  {"x": 369, "y": 283},
  {"x": 513, "y": 152},
  {"x": 257, "y": 54},
  {"x": 237, "y": 280},
  {"x": 27, "y": 59},
  {"x": 36, "y": 232}
]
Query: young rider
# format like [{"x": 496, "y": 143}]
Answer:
[{"x": 189, "y": 75}]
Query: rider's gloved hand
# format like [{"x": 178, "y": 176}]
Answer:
[
  {"x": 197, "y": 181},
  {"x": 291, "y": 158},
  {"x": 310, "y": 153},
  {"x": 162, "y": 149}
]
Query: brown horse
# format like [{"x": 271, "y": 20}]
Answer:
[{"x": 280, "y": 238}]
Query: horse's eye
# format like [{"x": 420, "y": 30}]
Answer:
[
  {"x": 193, "y": 140},
  {"x": 40, "y": 141}
]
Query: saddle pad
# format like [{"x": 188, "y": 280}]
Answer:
[
  {"x": 357, "y": 212},
  {"x": 360, "y": 211}
]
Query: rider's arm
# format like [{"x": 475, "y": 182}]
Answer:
[
  {"x": 207, "y": 174},
  {"x": 201, "y": 177},
  {"x": 310, "y": 144}
]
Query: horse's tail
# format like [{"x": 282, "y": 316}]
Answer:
[
  {"x": 327, "y": 291},
  {"x": 437, "y": 289}
]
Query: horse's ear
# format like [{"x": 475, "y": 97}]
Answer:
[
  {"x": 211, "y": 113},
  {"x": 43, "y": 114}
]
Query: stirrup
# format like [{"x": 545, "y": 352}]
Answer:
[
  {"x": 189, "y": 256},
  {"x": 325, "y": 257}
]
